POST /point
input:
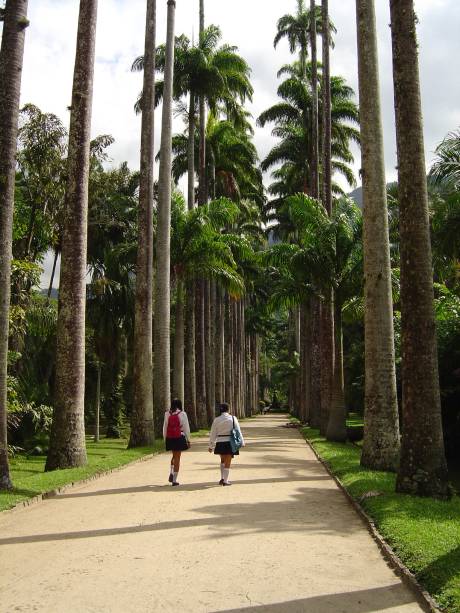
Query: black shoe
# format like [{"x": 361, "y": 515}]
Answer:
[
  {"x": 226, "y": 483},
  {"x": 175, "y": 483},
  {"x": 171, "y": 478},
  {"x": 221, "y": 482}
]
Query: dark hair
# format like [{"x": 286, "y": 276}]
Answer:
[
  {"x": 176, "y": 404},
  {"x": 224, "y": 407}
]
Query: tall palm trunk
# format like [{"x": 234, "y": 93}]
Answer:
[
  {"x": 210, "y": 360},
  {"x": 142, "y": 430},
  {"x": 11, "y": 58},
  {"x": 178, "y": 372},
  {"x": 305, "y": 364},
  {"x": 53, "y": 272},
  {"x": 297, "y": 312},
  {"x": 189, "y": 349},
  {"x": 422, "y": 467},
  {"x": 202, "y": 110},
  {"x": 336, "y": 426},
  {"x": 98, "y": 402},
  {"x": 381, "y": 428},
  {"x": 315, "y": 366},
  {"x": 327, "y": 308},
  {"x": 200, "y": 339},
  {"x": 189, "y": 357},
  {"x": 219, "y": 347},
  {"x": 327, "y": 168},
  {"x": 162, "y": 387},
  {"x": 314, "y": 182},
  {"x": 228, "y": 350},
  {"x": 200, "y": 350},
  {"x": 67, "y": 440},
  {"x": 191, "y": 153}
]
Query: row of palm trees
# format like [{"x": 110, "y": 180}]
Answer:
[
  {"x": 303, "y": 131},
  {"x": 207, "y": 258}
]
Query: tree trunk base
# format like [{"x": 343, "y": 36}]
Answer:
[
  {"x": 423, "y": 483},
  {"x": 380, "y": 459},
  {"x": 65, "y": 458},
  {"x": 145, "y": 437}
]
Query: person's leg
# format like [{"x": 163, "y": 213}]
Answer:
[
  {"x": 176, "y": 465},
  {"x": 171, "y": 469},
  {"x": 222, "y": 466},
  {"x": 226, "y": 470}
]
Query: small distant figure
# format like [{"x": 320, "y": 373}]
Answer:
[
  {"x": 176, "y": 433},
  {"x": 219, "y": 440}
]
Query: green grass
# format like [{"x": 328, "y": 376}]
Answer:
[
  {"x": 354, "y": 420},
  {"x": 29, "y": 478},
  {"x": 425, "y": 533}
]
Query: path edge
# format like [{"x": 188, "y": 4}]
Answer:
[
  {"x": 424, "y": 598},
  {"x": 73, "y": 484}
]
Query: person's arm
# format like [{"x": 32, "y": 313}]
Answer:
[
  {"x": 213, "y": 436},
  {"x": 165, "y": 424},
  {"x": 237, "y": 424},
  {"x": 185, "y": 425}
]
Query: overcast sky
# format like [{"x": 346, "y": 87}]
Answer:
[{"x": 249, "y": 24}]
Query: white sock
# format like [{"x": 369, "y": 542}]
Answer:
[
  {"x": 171, "y": 469},
  {"x": 222, "y": 468},
  {"x": 225, "y": 474},
  {"x": 175, "y": 476}
]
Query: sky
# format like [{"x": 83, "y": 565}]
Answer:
[{"x": 251, "y": 26}]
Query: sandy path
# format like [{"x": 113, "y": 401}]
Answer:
[{"x": 281, "y": 539}]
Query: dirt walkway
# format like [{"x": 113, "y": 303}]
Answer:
[{"x": 281, "y": 539}]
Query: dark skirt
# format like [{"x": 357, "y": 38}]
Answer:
[
  {"x": 176, "y": 444},
  {"x": 224, "y": 448}
]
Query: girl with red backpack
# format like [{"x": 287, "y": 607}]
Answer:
[{"x": 176, "y": 433}]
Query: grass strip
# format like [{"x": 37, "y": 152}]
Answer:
[
  {"x": 424, "y": 533},
  {"x": 30, "y": 479}
]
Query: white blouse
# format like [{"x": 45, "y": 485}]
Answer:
[
  {"x": 221, "y": 428},
  {"x": 184, "y": 425}
]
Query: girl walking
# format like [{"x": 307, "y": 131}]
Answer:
[
  {"x": 176, "y": 433},
  {"x": 219, "y": 440}
]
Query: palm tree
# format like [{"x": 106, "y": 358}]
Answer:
[
  {"x": 202, "y": 104},
  {"x": 67, "y": 440},
  {"x": 446, "y": 168},
  {"x": 231, "y": 161},
  {"x": 221, "y": 77},
  {"x": 292, "y": 118},
  {"x": 328, "y": 254},
  {"x": 422, "y": 468},
  {"x": 314, "y": 182},
  {"x": 327, "y": 308},
  {"x": 381, "y": 424},
  {"x": 11, "y": 58},
  {"x": 297, "y": 29},
  {"x": 162, "y": 391},
  {"x": 142, "y": 430},
  {"x": 199, "y": 250}
]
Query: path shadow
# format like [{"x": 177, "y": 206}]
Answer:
[
  {"x": 188, "y": 487},
  {"x": 361, "y": 601},
  {"x": 309, "y": 509}
]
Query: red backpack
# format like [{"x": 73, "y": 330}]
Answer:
[{"x": 173, "y": 430}]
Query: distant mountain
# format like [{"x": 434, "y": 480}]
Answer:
[
  {"x": 54, "y": 292},
  {"x": 357, "y": 195}
]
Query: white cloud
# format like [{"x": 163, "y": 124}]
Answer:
[{"x": 50, "y": 49}]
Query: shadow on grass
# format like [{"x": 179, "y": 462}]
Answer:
[{"x": 442, "y": 572}]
